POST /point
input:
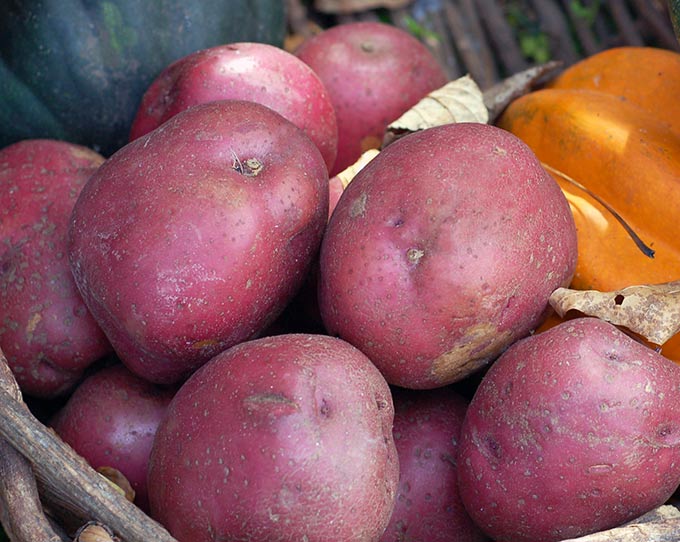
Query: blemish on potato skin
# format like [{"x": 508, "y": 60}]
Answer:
[
  {"x": 358, "y": 207},
  {"x": 260, "y": 401},
  {"x": 472, "y": 354},
  {"x": 414, "y": 255}
]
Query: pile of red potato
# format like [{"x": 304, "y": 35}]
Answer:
[{"x": 266, "y": 359}]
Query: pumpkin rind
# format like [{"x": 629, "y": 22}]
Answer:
[
  {"x": 77, "y": 70},
  {"x": 647, "y": 77},
  {"x": 623, "y": 155}
]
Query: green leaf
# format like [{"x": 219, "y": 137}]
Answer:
[
  {"x": 419, "y": 31},
  {"x": 587, "y": 13},
  {"x": 535, "y": 47},
  {"x": 675, "y": 16}
]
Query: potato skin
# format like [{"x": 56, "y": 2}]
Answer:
[
  {"x": 571, "y": 431},
  {"x": 426, "y": 433},
  {"x": 373, "y": 72},
  {"x": 443, "y": 251},
  {"x": 110, "y": 419},
  {"x": 245, "y": 71},
  {"x": 46, "y": 332},
  {"x": 279, "y": 438},
  {"x": 195, "y": 236}
]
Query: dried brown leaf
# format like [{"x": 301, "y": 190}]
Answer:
[
  {"x": 499, "y": 96},
  {"x": 346, "y": 175},
  {"x": 94, "y": 531},
  {"x": 118, "y": 480},
  {"x": 459, "y": 100},
  {"x": 650, "y": 310}
]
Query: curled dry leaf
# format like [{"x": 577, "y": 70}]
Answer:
[
  {"x": 460, "y": 100},
  {"x": 346, "y": 175},
  {"x": 95, "y": 532},
  {"x": 499, "y": 96},
  {"x": 650, "y": 310},
  {"x": 119, "y": 481}
]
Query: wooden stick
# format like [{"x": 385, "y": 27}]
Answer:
[
  {"x": 583, "y": 30},
  {"x": 470, "y": 42},
  {"x": 658, "y": 22},
  {"x": 624, "y": 22},
  {"x": 23, "y": 517},
  {"x": 65, "y": 480},
  {"x": 500, "y": 35},
  {"x": 553, "y": 22},
  {"x": 21, "y": 512}
]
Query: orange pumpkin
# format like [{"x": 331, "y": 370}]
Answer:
[
  {"x": 625, "y": 156},
  {"x": 647, "y": 77}
]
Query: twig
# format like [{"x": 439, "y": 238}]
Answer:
[
  {"x": 470, "y": 42},
  {"x": 65, "y": 481},
  {"x": 501, "y": 36},
  {"x": 21, "y": 512},
  {"x": 443, "y": 48},
  {"x": 659, "y": 23},
  {"x": 624, "y": 23},
  {"x": 583, "y": 30},
  {"x": 553, "y": 23}
]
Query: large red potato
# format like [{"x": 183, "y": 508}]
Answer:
[
  {"x": 374, "y": 72},
  {"x": 46, "y": 332},
  {"x": 110, "y": 419},
  {"x": 571, "y": 431},
  {"x": 426, "y": 433},
  {"x": 443, "y": 251},
  {"x": 279, "y": 438},
  {"x": 195, "y": 236},
  {"x": 244, "y": 71}
]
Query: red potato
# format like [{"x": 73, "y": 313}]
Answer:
[
  {"x": 243, "y": 71},
  {"x": 279, "y": 438},
  {"x": 426, "y": 432},
  {"x": 46, "y": 332},
  {"x": 571, "y": 431},
  {"x": 443, "y": 251},
  {"x": 194, "y": 237},
  {"x": 374, "y": 72},
  {"x": 111, "y": 419}
]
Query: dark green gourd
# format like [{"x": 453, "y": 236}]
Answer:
[{"x": 76, "y": 70}]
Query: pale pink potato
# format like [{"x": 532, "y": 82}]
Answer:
[{"x": 256, "y": 72}]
